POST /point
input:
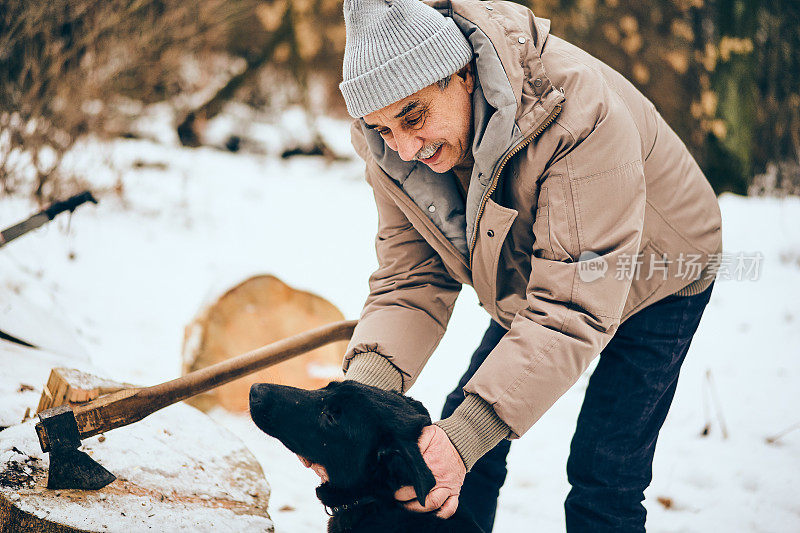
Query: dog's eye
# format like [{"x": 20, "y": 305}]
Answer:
[
  {"x": 330, "y": 414},
  {"x": 327, "y": 417}
]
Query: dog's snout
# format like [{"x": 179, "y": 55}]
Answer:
[
  {"x": 258, "y": 395},
  {"x": 283, "y": 411}
]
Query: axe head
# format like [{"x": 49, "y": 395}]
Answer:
[
  {"x": 70, "y": 468},
  {"x": 74, "y": 469}
]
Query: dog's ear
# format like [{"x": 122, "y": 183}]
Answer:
[{"x": 404, "y": 465}]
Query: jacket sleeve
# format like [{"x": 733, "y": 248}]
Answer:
[
  {"x": 590, "y": 213},
  {"x": 411, "y": 299}
]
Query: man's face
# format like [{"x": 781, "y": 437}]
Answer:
[{"x": 432, "y": 125}]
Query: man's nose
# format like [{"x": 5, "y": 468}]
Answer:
[{"x": 408, "y": 145}]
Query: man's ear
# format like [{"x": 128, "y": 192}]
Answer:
[
  {"x": 404, "y": 465},
  {"x": 468, "y": 75}
]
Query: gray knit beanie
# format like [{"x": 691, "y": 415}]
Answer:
[{"x": 393, "y": 49}]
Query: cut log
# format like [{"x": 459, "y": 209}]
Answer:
[
  {"x": 256, "y": 312},
  {"x": 176, "y": 470}
]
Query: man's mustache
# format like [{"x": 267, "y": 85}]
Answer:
[{"x": 427, "y": 151}]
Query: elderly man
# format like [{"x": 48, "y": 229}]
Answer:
[{"x": 507, "y": 159}]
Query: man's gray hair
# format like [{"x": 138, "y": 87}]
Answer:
[{"x": 444, "y": 82}]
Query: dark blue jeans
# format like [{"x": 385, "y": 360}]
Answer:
[{"x": 627, "y": 399}]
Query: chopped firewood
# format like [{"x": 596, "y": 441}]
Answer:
[{"x": 67, "y": 385}]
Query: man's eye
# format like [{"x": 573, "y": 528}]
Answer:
[
  {"x": 384, "y": 132},
  {"x": 416, "y": 120}
]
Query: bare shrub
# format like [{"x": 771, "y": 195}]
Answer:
[
  {"x": 64, "y": 63},
  {"x": 780, "y": 180}
]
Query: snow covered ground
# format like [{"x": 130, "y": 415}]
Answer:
[{"x": 130, "y": 274}]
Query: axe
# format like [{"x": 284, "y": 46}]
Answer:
[
  {"x": 61, "y": 429},
  {"x": 44, "y": 216}
]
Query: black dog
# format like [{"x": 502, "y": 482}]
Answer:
[{"x": 366, "y": 439}]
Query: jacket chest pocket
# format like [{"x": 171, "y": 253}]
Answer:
[{"x": 493, "y": 228}]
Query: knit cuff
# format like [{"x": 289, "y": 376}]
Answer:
[
  {"x": 474, "y": 429},
  {"x": 374, "y": 369}
]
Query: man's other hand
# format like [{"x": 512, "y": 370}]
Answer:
[{"x": 447, "y": 467}]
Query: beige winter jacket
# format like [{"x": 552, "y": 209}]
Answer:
[{"x": 574, "y": 169}]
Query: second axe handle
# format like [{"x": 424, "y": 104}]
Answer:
[{"x": 131, "y": 405}]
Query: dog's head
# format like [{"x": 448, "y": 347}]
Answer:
[{"x": 360, "y": 434}]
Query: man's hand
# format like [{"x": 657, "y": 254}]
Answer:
[{"x": 447, "y": 467}]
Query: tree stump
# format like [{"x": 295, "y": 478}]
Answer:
[
  {"x": 176, "y": 470},
  {"x": 256, "y": 312}
]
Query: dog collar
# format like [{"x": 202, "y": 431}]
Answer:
[{"x": 351, "y": 505}]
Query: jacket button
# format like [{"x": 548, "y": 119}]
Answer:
[
  {"x": 537, "y": 82},
  {"x": 490, "y": 233},
  {"x": 521, "y": 40},
  {"x": 431, "y": 208}
]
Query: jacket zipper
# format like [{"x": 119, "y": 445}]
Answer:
[{"x": 549, "y": 120}]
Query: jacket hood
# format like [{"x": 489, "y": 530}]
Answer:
[{"x": 512, "y": 97}]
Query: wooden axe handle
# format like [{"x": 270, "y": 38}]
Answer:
[{"x": 131, "y": 405}]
